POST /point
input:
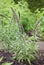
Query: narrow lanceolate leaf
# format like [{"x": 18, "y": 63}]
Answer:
[
  {"x": 1, "y": 59},
  {"x": 29, "y": 61},
  {"x": 14, "y": 15},
  {"x": 17, "y": 20},
  {"x": 6, "y": 63},
  {"x": 37, "y": 22}
]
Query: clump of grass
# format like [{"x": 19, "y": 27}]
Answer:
[{"x": 15, "y": 40}]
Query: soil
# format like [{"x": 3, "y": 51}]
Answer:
[
  {"x": 40, "y": 59},
  {"x": 7, "y": 58}
]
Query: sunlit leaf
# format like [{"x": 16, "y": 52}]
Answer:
[{"x": 1, "y": 59}]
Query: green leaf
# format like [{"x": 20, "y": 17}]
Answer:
[
  {"x": 29, "y": 61},
  {"x": 7, "y": 63},
  {"x": 1, "y": 59}
]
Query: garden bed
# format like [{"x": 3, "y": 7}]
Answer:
[{"x": 7, "y": 58}]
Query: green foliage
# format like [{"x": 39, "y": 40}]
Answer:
[
  {"x": 25, "y": 51},
  {"x": 16, "y": 42},
  {"x": 12, "y": 39},
  {"x": 27, "y": 16},
  {"x": 16, "y": 1},
  {"x": 41, "y": 29},
  {"x": 35, "y": 4},
  {"x": 28, "y": 19}
]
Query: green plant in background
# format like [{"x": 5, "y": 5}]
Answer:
[
  {"x": 27, "y": 17},
  {"x": 41, "y": 29}
]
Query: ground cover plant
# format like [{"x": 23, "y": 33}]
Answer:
[{"x": 15, "y": 41}]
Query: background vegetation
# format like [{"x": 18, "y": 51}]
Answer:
[{"x": 29, "y": 10}]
